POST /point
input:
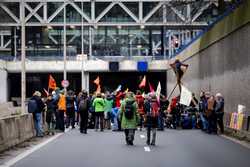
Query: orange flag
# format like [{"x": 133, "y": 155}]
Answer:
[
  {"x": 52, "y": 82},
  {"x": 143, "y": 82},
  {"x": 97, "y": 81}
]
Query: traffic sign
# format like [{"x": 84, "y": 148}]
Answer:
[{"x": 65, "y": 83}]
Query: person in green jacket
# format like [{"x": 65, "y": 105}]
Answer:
[
  {"x": 99, "y": 106},
  {"x": 129, "y": 117},
  {"x": 109, "y": 103}
]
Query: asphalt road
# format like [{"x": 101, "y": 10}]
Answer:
[{"x": 175, "y": 148}]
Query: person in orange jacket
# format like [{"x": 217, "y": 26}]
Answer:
[{"x": 61, "y": 111}]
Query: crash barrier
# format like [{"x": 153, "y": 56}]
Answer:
[{"x": 15, "y": 130}]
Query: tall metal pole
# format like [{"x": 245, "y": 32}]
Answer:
[
  {"x": 23, "y": 73},
  {"x": 82, "y": 52},
  {"x": 64, "y": 46},
  {"x": 90, "y": 42}
]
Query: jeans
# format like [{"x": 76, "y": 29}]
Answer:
[
  {"x": 38, "y": 123},
  {"x": 149, "y": 129},
  {"x": 161, "y": 122},
  {"x": 70, "y": 117},
  {"x": 204, "y": 122}
]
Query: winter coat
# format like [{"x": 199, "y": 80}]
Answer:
[
  {"x": 70, "y": 101},
  {"x": 82, "y": 111},
  {"x": 51, "y": 109},
  {"x": 40, "y": 104},
  {"x": 99, "y": 104},
  {"x": 219, "y": 108},
  {"x": 62, "y": 103},
  {"x": 129, "y": 123},
  {"x": 108, "y": 104}
]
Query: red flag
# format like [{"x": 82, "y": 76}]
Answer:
[
  {"x": 98, "y": 90},
  {"x": 143, "y": 82},
  {"x": 52, "y": 82},
  {"x": 97, "y": 81},
  {"x": 151, "y": 88}
]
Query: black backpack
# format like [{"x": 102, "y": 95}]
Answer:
[
  {"x": 32, "y": 106},
  {"x": 83, "y": 105},
  {"x": 129, "y": 114}
]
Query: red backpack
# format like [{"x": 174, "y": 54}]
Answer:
[
  {"x": 140, "y": 103},
  {"x": 154, "y": 110}
]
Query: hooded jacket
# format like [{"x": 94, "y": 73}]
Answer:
[{"x": 129, "y": 123}]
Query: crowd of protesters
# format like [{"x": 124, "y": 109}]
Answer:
[{"x": 125, "y": 111}]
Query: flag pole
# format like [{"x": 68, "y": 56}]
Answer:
[
  {"x": 48, "y": 84},
  {"x": 172, "y": 91}
]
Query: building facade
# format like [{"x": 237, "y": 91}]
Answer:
[{"x": 88, "y": 34}]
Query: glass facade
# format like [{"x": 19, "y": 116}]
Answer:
[{"x": 103, "y": 29}]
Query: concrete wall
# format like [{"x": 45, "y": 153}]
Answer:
[
  {"x": 220, "y": 61},
  {"x": 15, "y": 130}
]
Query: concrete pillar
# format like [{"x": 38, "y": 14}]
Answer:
[
  {"x": 85, "y": 81},
  {"x": 3, "y": 87}
]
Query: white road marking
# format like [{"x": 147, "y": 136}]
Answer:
[
  {"x": 31, "y": 150},
  {"x": 142, "y": 136},
  {"x": 147, "y": 149}
]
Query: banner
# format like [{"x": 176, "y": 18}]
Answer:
[
  {"x": 236, "y": 121},
  {"x": 186, "y": 96}
]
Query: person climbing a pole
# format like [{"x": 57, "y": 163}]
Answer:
[{"x": 179, "y": 69}]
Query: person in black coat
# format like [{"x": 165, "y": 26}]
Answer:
[
  {"x": 219, "y": 111},
  {"x": 70, "y": 112},
  {"x": 37, "y": 115},
  {"x": 51, "y": 114},
  {"x": 84, "y": 105}
]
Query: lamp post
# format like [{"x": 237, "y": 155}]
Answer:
[
  {"x": 64, "y": 46},
  {"x": 23, "y": 55}
]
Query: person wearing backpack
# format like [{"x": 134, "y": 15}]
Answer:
[
  {"x": 99, "y": 106},
  {"x": 83, "y": 109},
  {"x": 37, "y": 109},
  {"x": 129, "y": 117},
  {"x": 140, "y": 103},
  {"x": 152, "y": 108}
]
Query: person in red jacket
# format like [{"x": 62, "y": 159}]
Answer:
[
  {"x": 140, "y": 103},
  {"x": 118, "y": 98}
]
